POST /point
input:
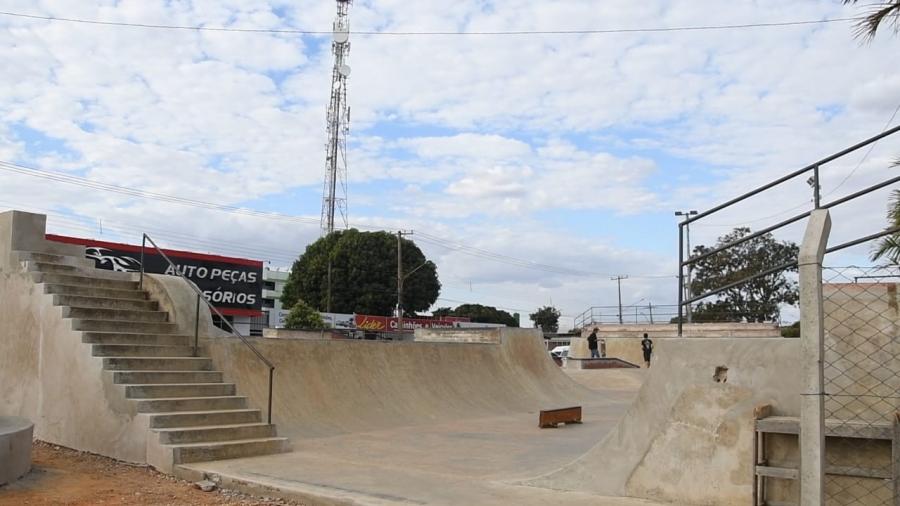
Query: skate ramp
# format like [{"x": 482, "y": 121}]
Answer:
[
  {"x": 330, "y": 387},
  {"x": 687, "y": 438}
]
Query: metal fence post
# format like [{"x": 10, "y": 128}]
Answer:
[
  {"x": 680, "y": 278},
  {"x": 812, "y": 339}
]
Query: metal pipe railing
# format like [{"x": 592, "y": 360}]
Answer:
[
  {"x": 817, "y": 204},
  {"x": 214, "y": 310}
]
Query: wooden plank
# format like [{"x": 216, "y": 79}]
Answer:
[
  {"x": 858, "y": 472},
  {"x": 782, "y": 473},
  {"x": 550, "y": 418},
  {"x": 833, "y": 428}
]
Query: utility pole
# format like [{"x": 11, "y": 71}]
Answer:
[
  {"x": 618, "y": 280},
  {"x": 400, "y": 277},
  {"x": 687, "y": 287}
]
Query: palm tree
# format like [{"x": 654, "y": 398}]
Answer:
[
  {"x": 880, "y": 13},
  {"x": 884, "y": 12},
  {"x": 889, "y": 248}
]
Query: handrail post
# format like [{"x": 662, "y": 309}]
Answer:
[
  {"x": 197, "y": 325},
  {"x": 269, "y": 412},
  {"x": 143, "y": 244},
  {"x": 680, "y": 278},
  {"x": 817, "y": 191}
]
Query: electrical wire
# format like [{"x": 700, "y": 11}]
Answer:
[
  {"x": 438, "y": 33},
  {"x": 461, "y": 248}
]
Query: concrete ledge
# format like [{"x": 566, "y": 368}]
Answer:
[
  {"x": 15, "y": 448},
  {"x": 599, "y": 363},
  {"x": 484, "y": 336}
]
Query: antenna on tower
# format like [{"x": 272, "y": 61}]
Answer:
[{"x": 334, "y": 194}]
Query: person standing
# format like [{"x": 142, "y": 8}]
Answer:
[
  {"x": 647, "y": 348},
  {"x": 592, "y": 344}
]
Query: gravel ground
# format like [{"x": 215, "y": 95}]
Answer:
[{"x": 61, "y": 476}]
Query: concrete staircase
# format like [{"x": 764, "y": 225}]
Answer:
[{"x": 195, "y": 415}]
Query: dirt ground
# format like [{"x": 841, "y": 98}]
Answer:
[{"x": 61, "y": 476}]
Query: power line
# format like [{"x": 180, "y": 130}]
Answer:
[
  {"x": 292, "y": 31},
  {"x": 461, "y": 248}
]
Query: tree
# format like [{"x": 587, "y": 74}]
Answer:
[
  {"x": 757, "y": 300},
  {"x": 888, "y": 248},
  {"x": 883, "y": 12},
  {"x": 479, "y": 314},
  {"x": 547, "y": 318},
  {"x": 887, "y": 11},
  {"x": 363, "y": 274},
  {"x": 302, "y": 316}
]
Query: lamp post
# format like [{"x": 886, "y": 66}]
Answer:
[{"x": 687, "y": 227}]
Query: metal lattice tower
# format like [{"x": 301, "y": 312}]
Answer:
[{"x": 334, "y": 194}]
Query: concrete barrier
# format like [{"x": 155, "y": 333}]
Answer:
[
  {"x": 15, "y": 448},
  {"x": 688, "y": 438},
  {"x": 328, "y": 387}
]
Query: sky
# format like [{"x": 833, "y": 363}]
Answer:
[{"x": 531, "y": 168}]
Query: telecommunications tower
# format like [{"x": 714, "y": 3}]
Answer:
[{"x": 334, "y": 194}]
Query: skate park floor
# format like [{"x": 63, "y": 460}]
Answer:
[{"x": 471, "y": 461}]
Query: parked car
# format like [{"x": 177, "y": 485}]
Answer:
[{"x": 560, "y": 352}]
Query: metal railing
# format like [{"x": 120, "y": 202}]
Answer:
[
  {"x": 817, "y": 204},
  {"x": 651, "y": 314},
  {"x": 201, "y": 297}
]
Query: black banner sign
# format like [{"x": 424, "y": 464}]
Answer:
[{"x": 232, "y": 285}]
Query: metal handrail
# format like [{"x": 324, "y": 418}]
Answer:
[
  {"x": 200, "y": 297},
  {"x": 817, "y": 204}
]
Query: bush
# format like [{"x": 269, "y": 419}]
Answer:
[
  {"x": 791, "y": 331},
  {"x": 303, "y": 317}
]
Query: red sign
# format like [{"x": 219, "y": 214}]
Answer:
[
  {"x": 389, "y": 323},
  {"x": 232, "y": 285}
]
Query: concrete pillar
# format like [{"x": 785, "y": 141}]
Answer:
[{"x": 812, "y": 350}]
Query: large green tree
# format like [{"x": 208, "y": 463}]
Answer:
[
  {"x": 479, "y": 314},
  {"x": 754, "y": 301},
  {"x": 363, "y": 274},
  {"x": 547, "y": 318}
]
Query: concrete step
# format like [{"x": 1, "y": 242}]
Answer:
[
  {"x": 204, "y": 418},
  {"x": 203, "y": 452},
  {"x": 165, "y": 377},
  {"x": 176, "y": 404},
  {"x": 211, "y": 433},
  {"x": 32, "y": 266},
  {"x": 93, "y": 291},
  {"x": 168, "y": 391},
  {"x": 157, "y": 364},
  {"x": 124, "y": 315},
  {"x": 123, "y": 326},
  {"x": 136, "y": 338},
  {"x": 83, "y": 280},
  {"x": 34, "y": 257},
  {"x": 105, "y": 302},
  {"x": 142, "y": 350}
]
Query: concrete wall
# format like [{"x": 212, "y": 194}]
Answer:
[
  {"x": 49, "y": 376},
  {"x": 20, "y": 231},
  {"x": 688, "y": 439},
  {"x": 327, "y": 387}
]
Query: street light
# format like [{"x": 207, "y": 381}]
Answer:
[{"x": 687, "y": 226}]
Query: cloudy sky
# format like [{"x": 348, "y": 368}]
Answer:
[{"x": 533, "y": 167}]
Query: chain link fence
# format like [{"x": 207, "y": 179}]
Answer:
[{"x": 862, "y": 384}]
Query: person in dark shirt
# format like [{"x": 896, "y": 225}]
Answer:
[
  {"x": 592, "y": 344},
  {"x": 647, "y": 348}
]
